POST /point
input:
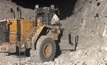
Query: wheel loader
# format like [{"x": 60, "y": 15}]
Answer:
[{"x": 39, "y": 35}]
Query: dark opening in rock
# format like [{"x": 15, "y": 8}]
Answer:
[
  {"x": 96, "y": 16},
  {"x": 98, "y": 4},
  {"x": 90, "y": 2}
]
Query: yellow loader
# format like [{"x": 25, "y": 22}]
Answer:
[{"x": 39, "y": 36}]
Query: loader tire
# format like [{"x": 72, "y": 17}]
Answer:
[{"x": 45, "y": 50}]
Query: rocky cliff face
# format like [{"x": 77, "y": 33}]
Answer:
[
  {"x": 5, "y": 13},
  {"x": 88, "y": 21}
]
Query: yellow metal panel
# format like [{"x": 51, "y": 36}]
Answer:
[
  {"x": 37, "y": 33},
  {"x": 26, "y": 27},
  {"x": 55, "y": 36},
  {"x": 39, "y": 30},
  {"x": 13, "y": 30}
]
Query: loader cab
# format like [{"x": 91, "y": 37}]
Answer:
[
  {"x": 42, "y": 16},
  {"x": 45, "y": 14}
]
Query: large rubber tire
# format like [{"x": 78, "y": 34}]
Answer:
[{"x": 45, "y": 50}]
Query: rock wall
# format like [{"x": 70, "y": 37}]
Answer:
[
  {"x": 5, "y": 13},
  {"x": 88, "y": 21}
]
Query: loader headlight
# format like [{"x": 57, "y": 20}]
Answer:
[
  {"x": 36, "y": 6},
  {"x": 52, "y": 6}
]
